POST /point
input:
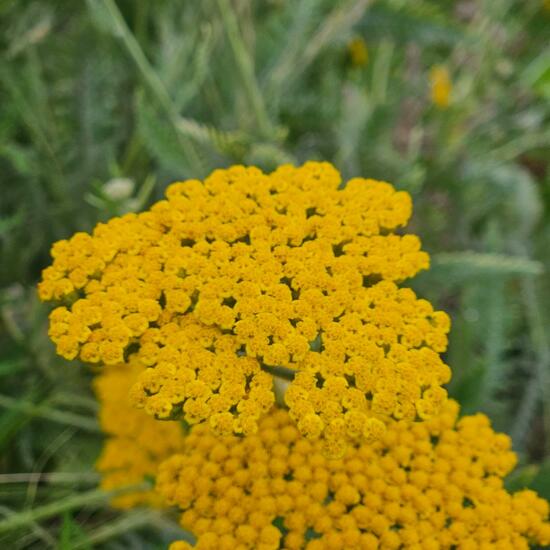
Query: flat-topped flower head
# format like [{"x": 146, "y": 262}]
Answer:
[
  {"x": 421, "y": 486},
  {"x": 248, "y": 273},
  {"x": 135, "y": 443}
]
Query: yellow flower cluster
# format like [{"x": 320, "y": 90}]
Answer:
[
  {"x": 422, "y": 486},
  {"x": 374, "y": 367},
  {"x": 200, "y": 375},
  {"x": 136, "y": 444},
  {"x": 358, "y": 51},
  {"x": 249, "y": 273},
  {"x": 441, "y": 86}
]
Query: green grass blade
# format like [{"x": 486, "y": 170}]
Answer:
[
  {"x": 88, "y": 499},
  {"x": 150, "y": 77},
  {"x": 128, "y": 522},
  {"x": 43, "y": 411},
  {"x": 245, "y": 66},
  {"x": 475, "y": 264}
]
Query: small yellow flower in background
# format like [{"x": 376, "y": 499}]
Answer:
[
  {"x": 441, "y": 86},
  {"x": 358, "y": 51},
  {"x": 136, "y": 443},
  {"x": 231, "y": 278},
  {"x": 433, "y": 485}
]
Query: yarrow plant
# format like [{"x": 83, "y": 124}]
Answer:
[
  {"x": 437, "y": 484},
  {"x": 247, "y": 275},
  {"x": 422, "y": 486},
  {"x": 196, "y": 307}
]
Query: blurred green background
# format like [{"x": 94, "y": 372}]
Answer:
[{"x": 104, "y": 103}]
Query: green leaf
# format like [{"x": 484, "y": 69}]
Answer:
[
  {"x": 13, "y": 419},
  {"x": 466, "y": 265},
  {"x": 419, "y": 21},
  {"x": 537, "y": 74},
  {"x": 521, "y": 478},
  {"x": 9, "y": 365},
  {"x": 541, "y": 481},
  {"x": 467, "y": 391},
  {"x": 94, "y": 498},
  {"x": 160, "y": 139},
  {"x": 72, "y": 535}
]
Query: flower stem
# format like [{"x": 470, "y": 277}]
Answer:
[
  {"x": 43, "y": 411},
  {"x": 51, "y": 477},
  {"x": 151, "y": 78},
  {"x": 90, "y": 498},
  {"x": 127, "y": 522},
  {"x": 280, "y": 372},
  {"x": 245, "y": 65},
  {"x": 539, "y": 341}
]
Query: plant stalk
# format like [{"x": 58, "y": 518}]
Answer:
[{"x": 90, "y": 498}]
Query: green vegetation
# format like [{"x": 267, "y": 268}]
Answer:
[{"x": 104, "y": 103}]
